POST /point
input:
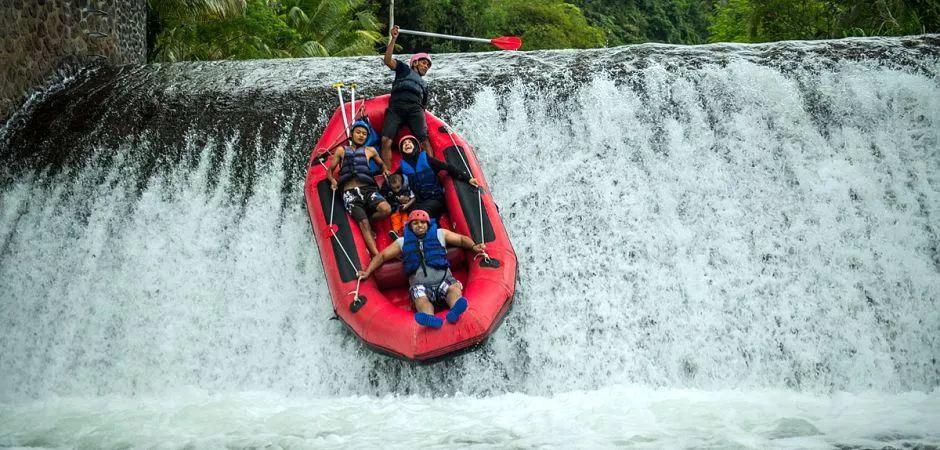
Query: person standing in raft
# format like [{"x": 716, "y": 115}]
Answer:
[
  {"x": 421, "y": 170},
  {"x": 408, "y": 100},
  {"x": 360, "y": 193},
  {"x": 430, "y": 280}
]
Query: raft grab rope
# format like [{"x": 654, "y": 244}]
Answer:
[{"x": 487, "y": 261}]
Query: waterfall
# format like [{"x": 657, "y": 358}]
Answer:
[{"x": 740, "y": 226}]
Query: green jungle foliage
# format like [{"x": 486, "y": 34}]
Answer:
[
  {"x": 251, "y": 29},
  {"x": 541, "y": 24},
  {"x": 774, "y": 20},
  {"x": 247, "y": 29},
  {"x": 639, "y": 21}
]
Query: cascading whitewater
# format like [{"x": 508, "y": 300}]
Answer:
[{"x": 752, "y": 217}]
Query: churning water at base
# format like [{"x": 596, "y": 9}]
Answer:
[
  {"x": 613, "y": 416},
  {"x": 715, "y": 251}
]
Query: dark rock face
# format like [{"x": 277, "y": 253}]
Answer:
[{"x": 42, "y": 41}]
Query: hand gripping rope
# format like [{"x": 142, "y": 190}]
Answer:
[{"x": 487, "y": 261}]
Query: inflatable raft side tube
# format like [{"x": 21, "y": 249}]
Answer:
[
  {"x": 467, "y": 196},
  {"x": 343, "y": 232}
]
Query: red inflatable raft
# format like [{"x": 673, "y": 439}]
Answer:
[{"x": 386, "y": 321}]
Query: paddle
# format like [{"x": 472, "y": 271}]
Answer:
[{"x": 503, "y": 42}]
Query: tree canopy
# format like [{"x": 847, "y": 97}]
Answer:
[
  {"x": 250, "y": 29},
  {"x": 638, "y": 21},
  {"x": 247, "y": 29},
  {"x": 541, "y": 25},
  {"x": 774, "y": 20}
]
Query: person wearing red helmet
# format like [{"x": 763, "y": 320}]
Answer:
[
  {"x": 408, "y": 100},
  {"x": 421, "y": 170},
  {"x": 430, "y": 281}
]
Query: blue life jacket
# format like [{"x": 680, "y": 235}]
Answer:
[
  {"x": 434, "y": 254},
  {"x": 413, "y": 83},
  {"x": 373, "y": 140},
  {"x": 355, "y": 165},
  {"x": 422, "y": 179}
]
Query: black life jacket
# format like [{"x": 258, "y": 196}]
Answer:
[
  {"x": 413, "y": 83},
  {"x": 355, "y": 165}
]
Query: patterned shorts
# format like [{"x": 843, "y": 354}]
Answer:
[
  {"x": 362, "y": 201},
  {"x": 436, "y": 293}
]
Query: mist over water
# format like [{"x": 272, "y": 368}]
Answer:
[{"x": 737, "y": 239}]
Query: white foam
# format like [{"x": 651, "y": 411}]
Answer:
[
  {"x": 612, "y": 417},
  {"x": 693, "y": 228}
]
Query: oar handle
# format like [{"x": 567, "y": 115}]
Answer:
[{"x": 445, "y": 36}]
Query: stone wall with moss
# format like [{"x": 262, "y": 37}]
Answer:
[{"x": 40, "y": 40}]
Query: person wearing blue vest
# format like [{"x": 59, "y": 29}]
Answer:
[
  {"x": 361, "y": 195},
  {"x": 421, "y": 170},
  {"x": 409, "y": 98},
  {"x": 430, "y": 281}
]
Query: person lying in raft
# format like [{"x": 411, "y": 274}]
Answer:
[
  {"x": 421, "y": 170},
  {"x": 360, "y": 193},
  {"x": 409, "y": 97},
  {"x": 430, "y": 280},
  {"x": 401, "y": 198}
]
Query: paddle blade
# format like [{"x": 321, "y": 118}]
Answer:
[{"x": 507, "y": 42}]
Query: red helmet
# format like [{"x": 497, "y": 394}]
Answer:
[
  {"x": 419, "y": 56},
  {"x": 407, "y": 136},
  {"x": 419, "y": 215}
]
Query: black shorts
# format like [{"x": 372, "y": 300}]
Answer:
[
  {"x": 411, "y": 115},
  {"x": 361, "y": 202}
]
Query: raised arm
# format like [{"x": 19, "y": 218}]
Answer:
[
  {"x": 459, "y": 240},
  {"x": 389, "y": 61}
]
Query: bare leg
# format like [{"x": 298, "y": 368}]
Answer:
[
  {"x": 458, "y": 304},
  {"x": 425, "y": 314},
  {"x": 382, "y": 211},
  {"x": 426, "y": 146},
  {"x": 453, "y": 293},
  {"x": 367, "y": 236},
  {"x": 422, "y": 304},
  {"x": 387, "y": 151}
]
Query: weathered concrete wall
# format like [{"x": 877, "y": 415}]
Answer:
[{"x": 40, "y": 37}]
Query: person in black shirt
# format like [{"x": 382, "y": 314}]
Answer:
[{"x": 408, "y": 100}]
